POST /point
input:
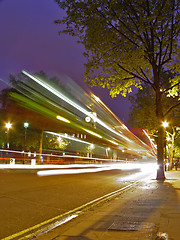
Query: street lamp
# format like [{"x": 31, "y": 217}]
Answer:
[
  {"x": 165, "y": 124},
  {"x": 8, "y": 126},
  {"x": 26, "y": 125}
]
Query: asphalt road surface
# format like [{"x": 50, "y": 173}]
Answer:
[{"x": 27, "y": 199}]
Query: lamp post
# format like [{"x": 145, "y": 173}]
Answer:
[
  {"x": 26, "y": 125},
  {"x": 8, "y": 126}
]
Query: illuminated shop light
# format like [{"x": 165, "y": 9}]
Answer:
[{"x": 68, "y": 137}]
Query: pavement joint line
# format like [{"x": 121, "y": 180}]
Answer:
[{"x": 62, "y": 218}]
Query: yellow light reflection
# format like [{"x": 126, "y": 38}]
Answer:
[
  {"x": 115, "y": 143},
  {"x": 93, "y": 133},
  {"x": 62, "y": 119}
]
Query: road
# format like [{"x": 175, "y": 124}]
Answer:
[{"x": 27, "y": 199}]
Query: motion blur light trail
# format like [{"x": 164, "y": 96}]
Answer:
[
  {"x": 72, "y": 103},
  {"x": 57, "y": 157},
  {"x": 24, "y": 101},
  {"x": 62, "y": 119},
  {"x": 145, "y": 168},
  {"x": 72, "y": 171},
  {"x": 70, "y": 108}
]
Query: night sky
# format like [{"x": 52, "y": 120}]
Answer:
[{"x": 30, "y": 40}]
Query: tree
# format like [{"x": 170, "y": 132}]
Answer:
[
  {"x": 172, "y": 144},
  {"x": 54, "y": 142},
  {"x": 143, "y": 105},
  {"x": 177, "y": 147},
  {"x": 142, "y": 115},
  {"x": 127, "y": 42}
]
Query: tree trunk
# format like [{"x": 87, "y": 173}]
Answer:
[
  {"x": 160, "y": 154},
  {"x": 171, "y": 155},
  {"x": 160, "y": 141}
]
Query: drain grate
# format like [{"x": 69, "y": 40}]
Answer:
[
  {"x": 124, "y": 226},
  {"x": 134, "y": 216},
  {"x": 132, "y": 226}
]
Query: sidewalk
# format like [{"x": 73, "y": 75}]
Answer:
[{"x": 149, "y": 210}]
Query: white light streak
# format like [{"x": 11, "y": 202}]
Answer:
[
  {"x": 68, "y": 171},
  {"x": 115, "y": 143},
  {"x": 97, "y": 168},
  {"x": 92, "y": 133},
  {"x": 78, "y": 107}
]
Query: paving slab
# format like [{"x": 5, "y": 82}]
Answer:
[{"x": 150, "y": 211}]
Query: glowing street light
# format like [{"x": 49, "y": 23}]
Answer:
[
  {"x": 26, "y": 125},
  {"x": 165, "y": 124},
  {"x": 8, "y": 126}
]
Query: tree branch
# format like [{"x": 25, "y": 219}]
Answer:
[
  {"x": 117, "y": 30},
  {"x": 134, "y": 75},
  {"x": 176, "y": 105},
  {"x": 166, "y": 90}
]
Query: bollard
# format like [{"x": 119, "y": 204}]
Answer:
[
  {"x": 33, "y": 161},
  {"x": 12, "y": 161}
]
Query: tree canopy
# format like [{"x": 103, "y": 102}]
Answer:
[{"x": 128, "y": 42}]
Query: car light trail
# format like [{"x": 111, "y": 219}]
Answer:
[
  {"x": 145, "y": 168},
  {"x": 72, "y": 171}
]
